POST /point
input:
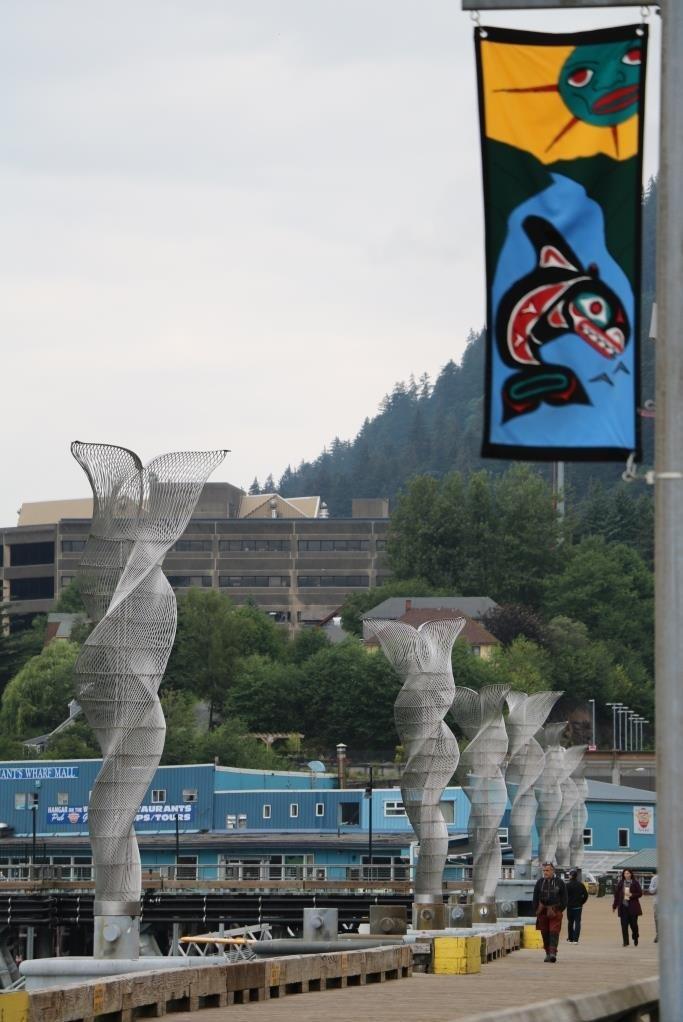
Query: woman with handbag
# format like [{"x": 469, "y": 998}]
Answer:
[{"x": 627, "y": 903}]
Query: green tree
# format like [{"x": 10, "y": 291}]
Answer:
[
  {"x": 18, "y": 646},
  {"x": 70, "y": 600},
  {"x": 75, "y": 742},
  {"x": 609, "y": 588},
  {"x": 183, "y": 736},
  {"x": 232, "y": 746},
  {"x": 36, "y": 700}
]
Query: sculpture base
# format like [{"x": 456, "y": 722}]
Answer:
[
  {"x": 522, "y": 870},
  {"x": 484, "y": 912},
  {"x": 116, "y": 937},
  {"x": 41, "y": 973},
  {"x": 429, "y": 915}
]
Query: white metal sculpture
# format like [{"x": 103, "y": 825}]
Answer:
[
  {"x": 577, "y": 845},
  {"x": 138, "y": 513},
  {"x": 524, "y": 765},
  {"x": 480, "y": 715},
  {"x": 571, "y": 759},
  {"x": 422, "y": 657},
  {"x": 548, "y": 791}
]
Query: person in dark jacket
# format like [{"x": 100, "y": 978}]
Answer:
[
  {"x": 549, "y": 902},
  {"x": 577, "y": 896},
  {"x": 627, "y": 903}
]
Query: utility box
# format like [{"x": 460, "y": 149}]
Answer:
[
  {"x": 321, "y": 923},
  {"x": 388, "y": 919}
]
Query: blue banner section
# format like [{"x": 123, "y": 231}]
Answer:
[
  {"x": 38, "y": 773},
  {"x": 149, "y": 814}
]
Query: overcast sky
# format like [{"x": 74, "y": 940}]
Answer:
[{"x": 232, "y": 222}]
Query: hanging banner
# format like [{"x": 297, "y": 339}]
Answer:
[{"x": 561, "y": 134}]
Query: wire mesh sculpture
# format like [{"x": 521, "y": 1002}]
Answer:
[
  {"x": 524, "y": 765},
  {"x": 138, "y": 513},
  {"x": 548, "y": 791},
  {"x": 422, "y": 657},
  {"x": 480, "y": 716},
  {"x": 571, "y": 758},
  {"x": 577, "y": 844}
]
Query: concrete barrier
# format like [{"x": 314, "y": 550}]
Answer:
[
  {"x": 631, "y": 1003},
  {"x": 153, "y": 994}
]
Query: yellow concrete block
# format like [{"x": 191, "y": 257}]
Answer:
[
  {"x": 14, "y": 1007},
  {"x": 450, "y": 943},
  {"x": 531, "y": 937}
]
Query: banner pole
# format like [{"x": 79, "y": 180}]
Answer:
[{"x": 669, "y": 515}]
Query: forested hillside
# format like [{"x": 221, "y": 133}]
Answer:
[{"x": 435, "y": 427}]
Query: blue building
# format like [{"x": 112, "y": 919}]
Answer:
[{"x": 207, "y": 822}]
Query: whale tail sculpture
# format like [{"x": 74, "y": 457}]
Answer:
[
  {"x": 422, "y": 658},
  {"x": 571, "y": 761},
  {"x": 548, "y": 791},
  {"x": 138, "y": 513},
  {"x": 480, "y": 715},
  {"x": 524, "y": 765},
  {"x": 577, "y": 846}
]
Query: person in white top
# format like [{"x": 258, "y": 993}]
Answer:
[{"x": 652, "y": 889}]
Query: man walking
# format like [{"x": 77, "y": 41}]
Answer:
[
  {"x": 549, "y": 902},
  {"x": 577, "y": 896}
]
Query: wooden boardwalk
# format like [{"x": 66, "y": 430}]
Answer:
[{"x": 599, "y": 962}]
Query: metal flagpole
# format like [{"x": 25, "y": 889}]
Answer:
[{"x": 668, "y": 479}]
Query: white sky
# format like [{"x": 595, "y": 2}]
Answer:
[{"x": 233, "y": 222}]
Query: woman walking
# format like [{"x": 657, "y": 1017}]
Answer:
[{"x": 627, "y": 903}]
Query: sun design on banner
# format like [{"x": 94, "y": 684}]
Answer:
[{"x": 587, "y": 98}]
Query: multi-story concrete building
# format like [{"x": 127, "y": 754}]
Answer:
[{"x": 285, "y": 554}]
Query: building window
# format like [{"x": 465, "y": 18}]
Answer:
[
  {"x": 72, "y": 546},
  {"x": 19, "y": 799},
  {"x": 193, "y": 545},
  {"x": 241, "y": 821},
  {"x": 62, "y": 798},
  {"x": 267, "y": 811},
  {"x": 187, "y": 867},
  {"x": 32, "y": 588},
  {"x": 588, "y": 836},
  {"x": 253, "y": 581},
  {"x": 158, "y": 796},
  {"x": 394, "y": 809},
  {"x": 31, "y": 553},
  {"x": 250, "y": 546},
  {"x": 349, "y": 814},
  {"x": 293, "y": 810},
  {"x": 503, "y": 835},
  {"x": 320, "y": 809},
  {"x": 622, "y": 835},
  {"x": 332, "y": 545},
  {"x": 230, "y": 821},
  {"x": 32, "y": 799},
  {"x": 476, "y": 650},
  {"x": 190, "y": 794},
  {"x": 333, "y": 581},
  {"x": 67, "y": 580},
  {"x": 189, "y": 581}
]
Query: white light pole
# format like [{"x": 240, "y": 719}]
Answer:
[
  {"x": 593, "y": 746},
  {"x": 615, "y": 708}
]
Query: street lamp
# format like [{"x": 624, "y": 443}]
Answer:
[
  {"x": 615, "y": 707},
  {"x": 622, "y": 712},
  {"x": 593, "y": 746}
]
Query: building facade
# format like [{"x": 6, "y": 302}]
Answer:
[
  {"x": 216, "y": 823},
  {"x": 283, "y": 554}
]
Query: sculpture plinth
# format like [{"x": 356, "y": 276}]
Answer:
[
  {"x": 422, "y": 657},
  {"x": 138, "y": 513},
  {"x": 524, "y": 766},
  {"x": 480, "y": 715}
]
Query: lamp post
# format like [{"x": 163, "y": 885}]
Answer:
[
  {"x": 368, "y": 795},
  {"x": 177, "y": 846},
  {"x": 593, "y": 746},
  {"x": 615, "y": 708}
]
